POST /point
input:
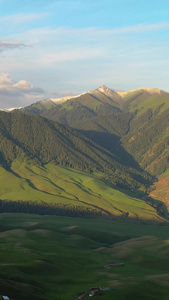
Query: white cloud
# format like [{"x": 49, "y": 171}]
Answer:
[
  {"x": 15, "y": 94},
  {"x": 23, "y": 85},
  {"x": 5, "y": 80}
]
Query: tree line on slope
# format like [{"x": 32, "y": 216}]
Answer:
[
  {"x": 45, "y": 208},
  {"x": 148, "y": 141}
]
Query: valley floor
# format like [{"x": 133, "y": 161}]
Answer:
[{"x": 60, "y": 258}]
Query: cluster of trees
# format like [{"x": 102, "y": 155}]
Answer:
[
  {"x": 159, "y": 206},
  {"x": 44, "y": 208}
]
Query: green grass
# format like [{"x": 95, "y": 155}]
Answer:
[
  {"x": 62, "y": 185},
  {"x": 86, "y": 101},
  {"x": 142, "y": 103},
  {"x": 166, "y": 173},
  {"x": 90, "y": 102},
  {"x": 46, "y": 104},
  {"x": 153, "y": 102},
  {"x": 43, "y": 257}
]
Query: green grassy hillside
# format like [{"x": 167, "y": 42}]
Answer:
[
  {"x": 58, "y": 185},
  {"x": 58, "y": 258},
  {"x": 144, "y": 99}
]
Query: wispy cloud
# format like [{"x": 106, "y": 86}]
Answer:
[
  {"x": 61, "y": 45},
  {"x": 10, "y": 45},
  {"x": 22, "y": 18},
  {"x": 63, "y": 58},
  {"x": 77, "y": 54},
  {"x": 96, "y": 31},
  {"x": 138, "y": 28}
]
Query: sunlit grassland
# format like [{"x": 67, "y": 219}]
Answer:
[
  {"x": 153, "y": 102},
  {"x": 89, "y": 102},
  {"x": 55, "y": 184},
  {"x": 144, "y": 103}
]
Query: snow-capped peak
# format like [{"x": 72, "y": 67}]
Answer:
[{"x": 104, "y": 89}]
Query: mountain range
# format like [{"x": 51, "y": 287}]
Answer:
[
  {"x": 133, "y": 125},
  {"x": 119, "y": 137}
]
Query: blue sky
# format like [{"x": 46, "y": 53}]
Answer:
[{"x": 66, "y": 47}]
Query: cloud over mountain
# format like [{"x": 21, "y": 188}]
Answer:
[{"x": 21, "y": 92}]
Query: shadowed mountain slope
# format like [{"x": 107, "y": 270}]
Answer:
[{"x": 27, "y": 137}]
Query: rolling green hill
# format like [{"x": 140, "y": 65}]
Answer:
[{"x": 49, "y": 257}]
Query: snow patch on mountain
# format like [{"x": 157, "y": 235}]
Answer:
[{"x": 66, "y": 98}]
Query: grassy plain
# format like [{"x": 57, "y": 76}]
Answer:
[
  {"x": 54, "y": 184},
  {"x": 49, "y": 257}
]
